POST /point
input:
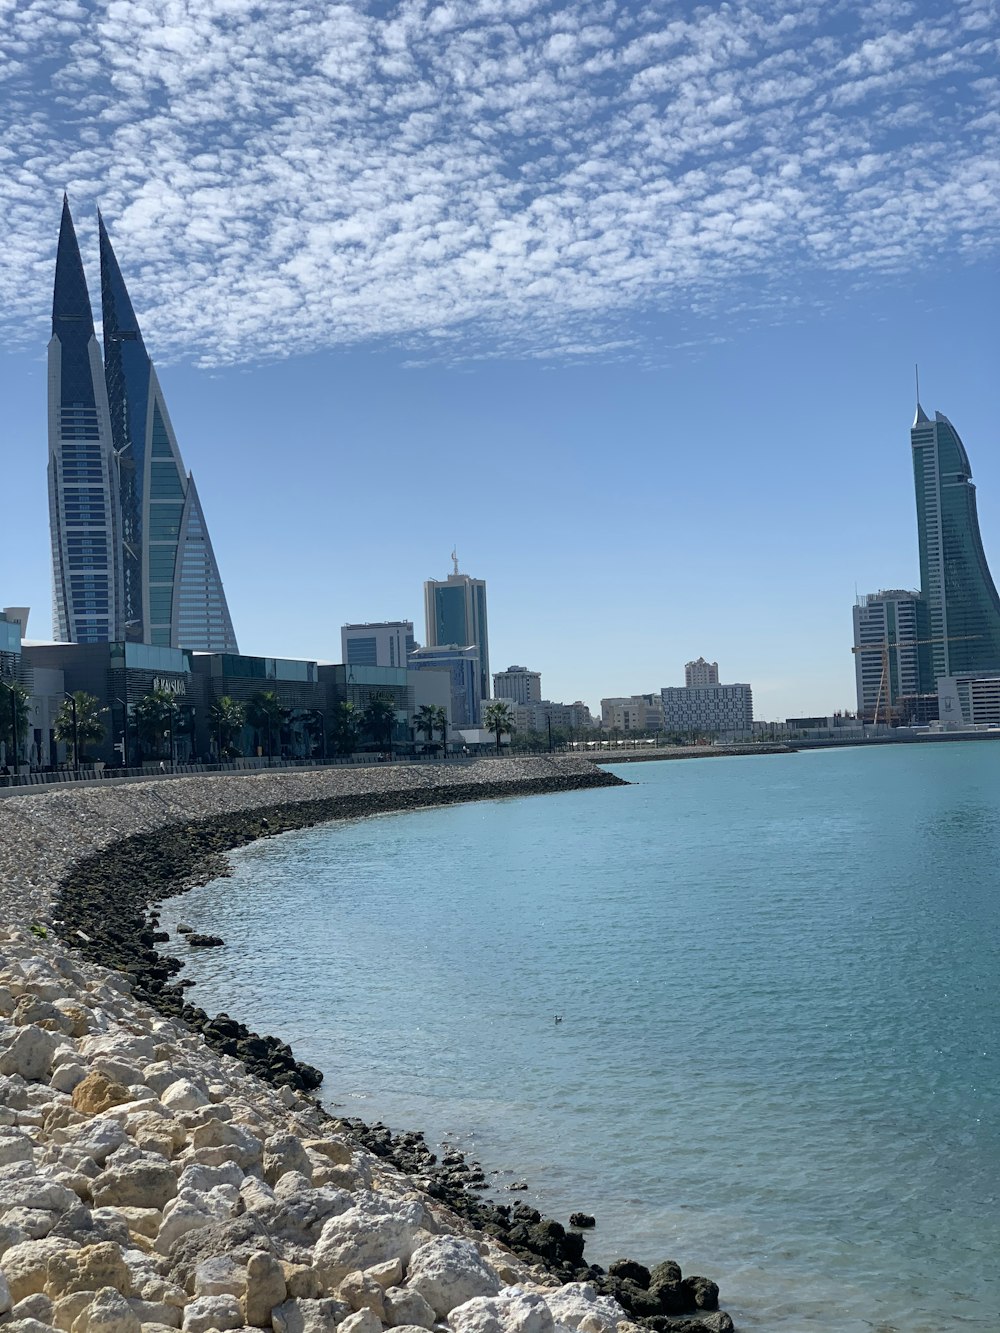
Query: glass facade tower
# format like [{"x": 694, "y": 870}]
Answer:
[
  {"x": 455, "y": 614},
  {"x": 84, "y": 511},
  {"x": 963, "y": 609},
  {"x": 172, "y": 589}
]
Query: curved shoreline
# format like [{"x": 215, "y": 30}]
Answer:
[{"x": 100, "y": 905}]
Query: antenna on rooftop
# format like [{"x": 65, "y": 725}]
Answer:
[
  {"x": 916, "y": 374},
  {"x": 454, "y": 556}
]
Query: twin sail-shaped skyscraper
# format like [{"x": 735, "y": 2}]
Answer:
[{"x": 131, "y": 556}]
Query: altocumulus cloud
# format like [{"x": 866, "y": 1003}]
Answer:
[{"x": 474, "y": 176}]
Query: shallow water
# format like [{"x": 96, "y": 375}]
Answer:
[{"x": 778, "y": 982}]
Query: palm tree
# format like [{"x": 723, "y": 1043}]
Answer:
[
  {"x": 379, "y": 718},
  {"x": 345, "y": 727},
  {"x": 498, "y": 718},
  {"x": 154, "y": 717},
  {"x": 425, "y": 720},
  {"x": 264, "y": 712},
  {"x": 229, "y": 717},
  {"x": 441, "y": 722},
  {"x": 78, "y": 723},
  {"x": 14, "y": 717}
]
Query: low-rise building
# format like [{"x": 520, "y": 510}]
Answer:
[
  {"x": 382, "y": 643},
  {"x": 970, "y": 700},
  {"x": 708, "y": 709},
  {"x": 636, "y": 713},
  {"x": 701, "y": 673},
  {"x": 518, "y": 685}
]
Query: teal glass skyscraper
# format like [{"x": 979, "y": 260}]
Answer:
[
  {"x": 84, "y": 512},
  {"x": 132, "y": 558},
  {"x": 963, "y": 609},
  {"x": 455, "y": 615},
  {"x": 171, "y": 587}
]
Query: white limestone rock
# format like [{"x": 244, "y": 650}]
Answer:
[
  {"x": 108, "y": 1312},
  {"x": 265, "y": 1288},
  {"x": 194, "y": 1176},
  {"x": 407, "y": 1308},
  {"x": 155, "y": 1312},
  {"x": 362, "y": 1321},
  {"x": 449, "y": 1271},
  {"x": 191, "y": 1210},
  {"x": 283, "y": 1153},
  {"x": 220, "y": 1276},
  {"x": 205, "y": 1312},
  {"x": 5, "y": 1297},
  {"x": 97, "y": 1137},
  {"x": 373, "y": 1231},
  {"x": 145, "y": 1183},
  {"x": 297, "y": 1316},
  {"x": 28, "y": 1053},
  {"x": 577, "y": 1305},
  {"x": 513, "y": 1310},
  {"x": 15, "y": 1146},
  {"x": 183, "y": 1096}
]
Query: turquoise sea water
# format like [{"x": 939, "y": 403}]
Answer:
[{"x": 778, "y": 980}]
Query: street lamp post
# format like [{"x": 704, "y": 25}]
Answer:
[
  {"x": 322, "y": 733},
  {"x": 548, "y": 721},
  {"x": 124, "y": 730},
  {"x": 76, "y": 732}
]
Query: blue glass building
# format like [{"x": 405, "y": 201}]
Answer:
[
  {"x": 84, "y": 512},
  {"x": 172, "y": 591},
  {"x": 963, "y": 609},
  {"x": 455, "y": 613}
]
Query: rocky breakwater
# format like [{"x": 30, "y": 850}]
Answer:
[{"x": 150, "y": 1180}]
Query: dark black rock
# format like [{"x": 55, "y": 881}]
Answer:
[
  {"x": 628, "y": 1268},
  {"x": 704, "y": 1292},
  {"x": 667, "y": 1271},
  {"x": 517, "y": 1185},
  {"x": 671, "y": 1297},
  {"x": 197, "y": 941},
  {"x": 581, "y": 1219}
]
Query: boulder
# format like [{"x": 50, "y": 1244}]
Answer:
[
  {"x": 66, "y": 1076},
  {"x": 15, "y": 1146},
  {"x": 667, "y": 1271},
  {"x": 373, "y": 1231},
  {"x": 25, "y": 1266},
  {"x": 362, "y": 1321},
  {"x": 97, "y": 1093},
  {"x": 88, "y": 1269},
  {"x": 265, "y": 1288},
  {"x": 37, "y": 1307},
  {"x": 183, "y": 1095},
  {"x": 221, "y": 1312},
  {"x": 29, "y": 1054},
  {"x": 146, "y": 1183},
  {"x": 406, "y": 1308},
  {"x": 5, "y": 1297},
  {"x": 362, "y": 1292},
  {"x": 97, "y": 1138},
  {"x": 704, "y": 1292},
  {"x": 584, "y": 1220},
  {"x": 628, "y": 1268},
  {"x": 320, "y": 1316},
  {"x": 512, "y": 1311},
  {"x": 449, "y": 1271},
  {"x": 108, "y": 1312},
  {"x": 67, "y": 1308},
  {"x": 190, "y": 1211},
  {"x": 577, "y": 1305},
  {"x": 283, "y": 1153},
  {"x": 220, "y": 1276}
]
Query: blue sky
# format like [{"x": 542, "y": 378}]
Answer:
[{"x": 622, "y": 299}]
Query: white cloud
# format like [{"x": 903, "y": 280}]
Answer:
[{"x": 477, "y": 176}]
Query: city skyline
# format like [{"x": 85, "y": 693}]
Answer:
[{"x": 624, "y": 303}]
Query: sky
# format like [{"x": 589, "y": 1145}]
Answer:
[{"x": 620, "y": 300}]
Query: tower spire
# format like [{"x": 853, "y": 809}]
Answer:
[
  {"x": 71, "y": 311},
  {"x": 120, "y": 321},
  {"x": 454, "y": 557}
]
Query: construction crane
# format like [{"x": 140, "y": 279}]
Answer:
[{"x": 885, "y": 681}]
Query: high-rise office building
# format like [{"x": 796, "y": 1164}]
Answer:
[
  {"x": 172, "y": 592},
  {"x": 701, "y": 673},
  {"x": 890, "y": 630},
  {"x": 455, "y": 613},
  {"x": 518, "y": 684},
  {"x": 382, "y": 643},
  {"x": 84, "y": 509},
  {"x": 963, "y": 609}
]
